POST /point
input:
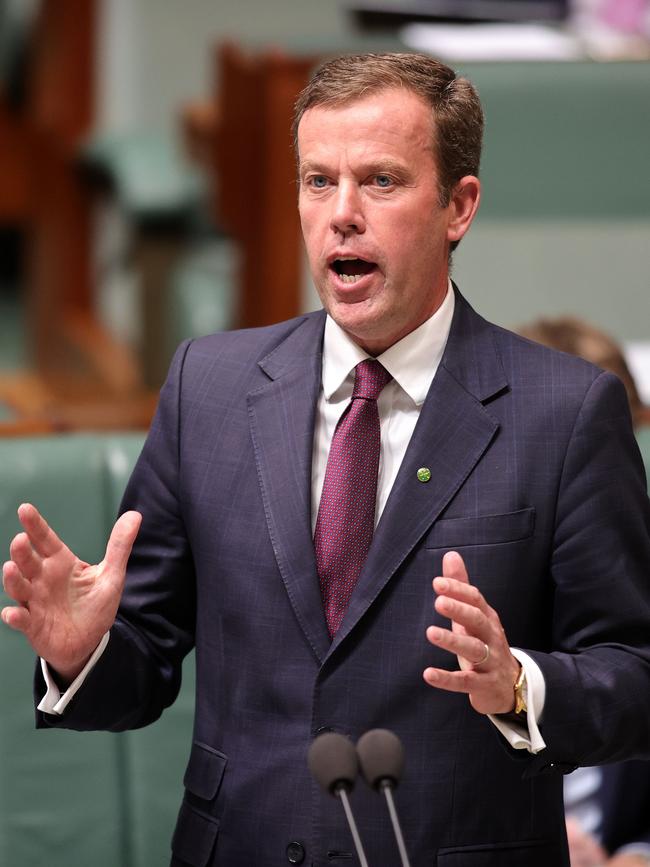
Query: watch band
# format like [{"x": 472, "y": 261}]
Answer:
[{"x": 519, "y": 686}]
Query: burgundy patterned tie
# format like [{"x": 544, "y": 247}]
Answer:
[{"x": 346, "y": 515}]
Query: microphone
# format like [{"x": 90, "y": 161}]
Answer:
[
  {"x": 381, "y": 756},
  {"x": 333, "y": 763}
]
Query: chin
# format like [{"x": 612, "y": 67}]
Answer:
[
  {"x": 368, "y": 336},
  {"x": 357, "y": 326}
]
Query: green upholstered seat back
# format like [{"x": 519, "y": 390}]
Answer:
[{"x": 69, "y": 799}]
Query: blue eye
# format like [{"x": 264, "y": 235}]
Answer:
[
  {"x": 319, "y": 181},
  {"x": 383, "y": 181}
]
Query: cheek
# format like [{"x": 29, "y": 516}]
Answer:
[
  {"x": 310, "y": 245},
  {"x": 306, "y": 218},
  {"x": 310, "y": 233},
  {"x": 398, "y": 249}
]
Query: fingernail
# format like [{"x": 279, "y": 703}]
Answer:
[{"x": 443, "y": 584}]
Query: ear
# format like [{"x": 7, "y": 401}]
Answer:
[{"x": 463, "y": 205}]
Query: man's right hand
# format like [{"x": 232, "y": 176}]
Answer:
[{"x": 64, "y": 605}]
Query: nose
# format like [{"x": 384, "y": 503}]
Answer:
[{"x": 347, "y": 217}]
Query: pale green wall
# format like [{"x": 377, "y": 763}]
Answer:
[
  {"x": 565, "y": 222},
  {"x": 166, "y": 45},
  {"x": 513, "y": 271}
]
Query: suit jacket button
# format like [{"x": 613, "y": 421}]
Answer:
[{"x": 295, "y": 853}]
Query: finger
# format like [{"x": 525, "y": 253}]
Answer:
[
  {"x": 15, "y": 584},
  {"x": 41, "y": 535},
  {"x": 455, "y": 589},
  {"x": 452, "y": 681},
  {"x": 453, "y": 566},
  {"x": 16, "y": 617},
  {"x": 469, "y": 617},
  {"x": 24, "y": 556},
  {"x": 121, "y": 542},
  {"x": 471, "y": 649}
]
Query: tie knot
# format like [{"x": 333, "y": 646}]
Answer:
[{"x": 369, "y": 379}]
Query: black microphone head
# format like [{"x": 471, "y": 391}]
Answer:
[
  {"x": 333, "y": 762},
  {"x": 381, "y": 756}
]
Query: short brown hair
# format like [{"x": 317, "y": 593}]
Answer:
[{"x": 457, "y": 112}]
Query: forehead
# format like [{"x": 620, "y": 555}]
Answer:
[{"x": 395, "y": 121}]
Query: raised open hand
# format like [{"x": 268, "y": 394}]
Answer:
[
  {"x": 488, "y": 669},
  {"x": 64, "y": 605}
]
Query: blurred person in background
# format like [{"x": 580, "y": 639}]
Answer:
[
  {"x": 578, "y": 337},
  {"x": 607, "y": 808}
]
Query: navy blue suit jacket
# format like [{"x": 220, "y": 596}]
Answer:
[{"x": 535, "y": 478}]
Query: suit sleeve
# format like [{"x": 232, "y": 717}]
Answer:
[
  {"x": 598, "y": 675},
  {"x": 139, "y": 674}
]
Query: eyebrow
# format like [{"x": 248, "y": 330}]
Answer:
[
  {"x": 309, "y": 166},
  {"x": 375, "y": 167}
]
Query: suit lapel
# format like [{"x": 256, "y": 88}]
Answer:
[
  {"x": 281, "y": 416},
  {"x": 452, "y": 433}
]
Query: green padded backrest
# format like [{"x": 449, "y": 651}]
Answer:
[
  {"x": 155, "y": 760},
  {"x": 120, "y": 454},
  {"x": 564, "y": 140},
  {"x": 202, "y": 291},
  {"x": 69, "y": 799},
  {"x": 60, "y": 792}
]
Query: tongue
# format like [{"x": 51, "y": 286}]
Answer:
[{"x": 355, "y": 267}]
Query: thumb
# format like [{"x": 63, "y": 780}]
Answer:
[
  {"x": 454, "y": 567},
  {"x": 120, "y": 543}
]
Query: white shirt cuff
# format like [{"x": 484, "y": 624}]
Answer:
[
  {"x": 518, "y": 736},
  {"x": 642, "y": 849},
  {"x": 53, "y": 701}
]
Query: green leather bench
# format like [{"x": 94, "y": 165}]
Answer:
[{"x": 69, "y": 799}]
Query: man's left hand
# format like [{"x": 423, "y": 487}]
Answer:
[{"x": 488, "y": 670}]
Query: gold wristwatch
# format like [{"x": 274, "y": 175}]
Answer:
[{"x": 520, "y": 698}]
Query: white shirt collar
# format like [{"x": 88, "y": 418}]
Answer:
[{"x": 412, "y": 361}]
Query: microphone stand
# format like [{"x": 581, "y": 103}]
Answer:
[
  {"x": 341, "y": 793},
  {"x": 386, "y": 787}
]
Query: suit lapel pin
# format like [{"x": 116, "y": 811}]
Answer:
[{"x": 423, "y": 474}]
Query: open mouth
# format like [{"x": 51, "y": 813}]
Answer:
[{"x": 352, "y": 270}]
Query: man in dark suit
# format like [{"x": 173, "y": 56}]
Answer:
[{"x": 507, "y": 470}]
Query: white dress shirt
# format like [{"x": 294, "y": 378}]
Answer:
[{"x": 412, "y": 362}]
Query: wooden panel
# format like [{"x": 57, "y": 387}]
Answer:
[
  {"x": 255, "y": 178},
  {"x": 60, "y": 113},
  {"x": 82, "y": 377},
  {"x": 62, "y": 79},
  {"x": 14, "y": 172}
]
